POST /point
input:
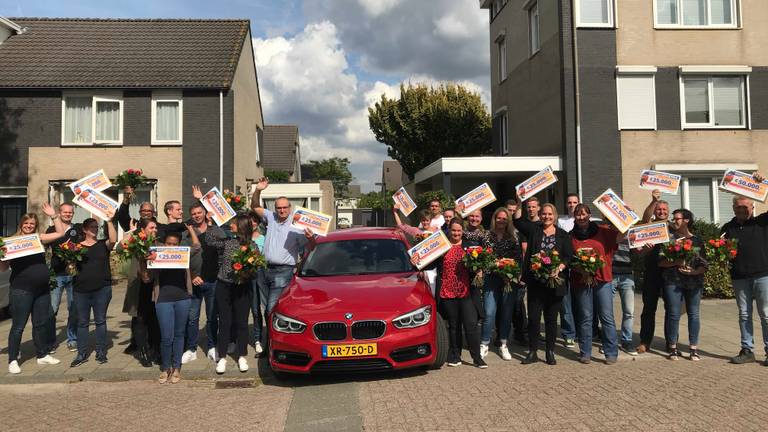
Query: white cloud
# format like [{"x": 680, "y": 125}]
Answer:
[{"x": 378, "y": 7}]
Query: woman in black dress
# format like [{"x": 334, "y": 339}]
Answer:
[{"x": 30, "y": 294}]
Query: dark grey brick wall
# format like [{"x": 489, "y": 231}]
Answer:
[
  {"x": 568, "y": 99},
  {"x": 137, "y": 118},
  {"x": 758, "y": 86},
  {"x": 600, "y": 140},
  {"x": 667, "y": 99}
]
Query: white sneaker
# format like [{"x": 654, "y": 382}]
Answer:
[
  {"x": 242, "y": 363},
  {"x": 258, "y": 348},
  {"x": 13, "y": 367},
  {"x": 188, "y": 356},
  {"x": 505, "y": 352},
  {"x": 231, "y": 348},
  {"x": 221, "y": 366},
  {"x": 212, "y": 355},
  {"x": 48, "y": 360},
  {"x": 483, "y": 350}
]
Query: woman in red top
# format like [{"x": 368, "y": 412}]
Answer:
[
  {"x": 458, "y": 301},
  {"x": 603, "y": 239}
]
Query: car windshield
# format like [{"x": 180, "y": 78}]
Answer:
[{"x": 356, "y": 257}]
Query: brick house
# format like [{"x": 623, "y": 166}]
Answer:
[{"x": 176, "y": 98}]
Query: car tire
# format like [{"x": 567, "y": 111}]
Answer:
[{"x": 442, "y": 344}]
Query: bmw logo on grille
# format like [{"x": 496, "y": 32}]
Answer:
[{"x": 348, "y": 315}]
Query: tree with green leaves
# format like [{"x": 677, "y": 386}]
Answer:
[
  {"x": 446, "y": 200},
  {"x": 277, "y": 176},
  {"x": 428, "y": 123},
  {"x": 375, "y": 200},
  {"x": 335, "y": 169}
]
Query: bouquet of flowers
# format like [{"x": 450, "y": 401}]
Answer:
[
  {"x": 543, "y": 265},
  {"x": 509, "y": 270},
  {"x": 477, "y": 260},
  {"x": 136, "y": 245},
  {"x": 235, "y": 200},
  {"x": 246, "y": 262},
  {"x": 130, "y": 177},
  {"x": 2, "y": 248},
  {"x": 721, "y": 251},
  {"x": 588, "y": 261},
  {"x": 71, "y": 253},
  {"x": 680, "y": 250}
]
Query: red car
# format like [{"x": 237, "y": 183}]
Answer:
[{"x": 356, "y": 304}]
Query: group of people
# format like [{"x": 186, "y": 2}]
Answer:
[
  {"x": 164, "y": 304},
  {"x": 520, "y": 230}
]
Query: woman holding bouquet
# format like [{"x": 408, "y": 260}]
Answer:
[
  {"x": 30, "y": 294},
  {"x": 504, "y": 242},
  {"x": 546, "y": 286},
  {"x": 683, "y": 268},
  {"x": 458, "y": 302},
  {"x": 93, "y": 290},
  {"x": 591, "y": 282}
]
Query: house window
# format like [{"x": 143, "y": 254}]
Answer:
[
  {"x": 496, "y": 7},
  {"x": 258, "y": 155},
  {"x": 91, "y": 120},
  {"x": 167, "y": 119},
  {"x": 714, "y": 101},
  {"x": 533, "y": 28},
  {"x": 502, "y": 51},
  {"x": 697, "y": 13},
  {"x": 504, "y": 135},
  {"x": 594, "y": 13},
  {"x": 636, "y": 98}
]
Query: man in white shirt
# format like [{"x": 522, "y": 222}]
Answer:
[
  {"x": 437, "y": 214},
  {"x": 565, "y": 222}
]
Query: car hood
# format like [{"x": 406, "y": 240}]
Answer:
[{"x": 365, "y": 296}]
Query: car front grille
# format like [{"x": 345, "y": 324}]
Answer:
[
  {"x": 330, "y": 331},
  {"x": 368, "y": 329},
  {"x": 353, "y": 365}
]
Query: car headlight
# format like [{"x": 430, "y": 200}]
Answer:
[
  {"x": 283, "y": 324},
  {"x": 417, "y": 318}
]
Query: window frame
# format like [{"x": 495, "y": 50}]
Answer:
[
  {"x": 611, "y": 16},
  {"x": 735, "y": 16},
  {"x": 165, "y": 96},
  {"x": 95, "y": 97},
  {"x": 692, "y": 73},
  {"x": 501, "y": 50},
  {"x": 529, "y": 7},
  {"x": 648, "y": 71},
  {"x": 504, "y": 132}
]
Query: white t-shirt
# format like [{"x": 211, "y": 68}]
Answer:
[
  {"x": 565, "y": 223},
  {"x": 437, "y": 222}
]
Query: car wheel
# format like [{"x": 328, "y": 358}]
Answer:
[{"x": 441, "y": 343}]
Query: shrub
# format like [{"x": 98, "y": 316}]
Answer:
[{"x": 446, "y": 200}]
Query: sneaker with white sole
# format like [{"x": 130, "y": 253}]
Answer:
[
  {"x": 212, "y": 355},
  {"x": 221, "y": 366},
  {"x": 188, "y": 356},
  {"x": 483, "y": 350},
  {"x": 48, "y": 360},
  {"x": 258, "y": 348},
  {"x": 242, "y": 364},
  {"x": 13, "y": 367},
  {"x": 505, "y": 355}
]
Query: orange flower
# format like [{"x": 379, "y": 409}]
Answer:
[
  {"x": 142, "y": 235},
  {"x": 243, "y": 248}
]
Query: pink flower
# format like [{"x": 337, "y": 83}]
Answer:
[{"x": 546, "y": 261}]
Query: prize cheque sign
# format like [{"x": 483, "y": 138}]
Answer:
[
  {"x": 744, "y": 184},
  {"x": 648, "y": 234},
  {"x": 21, "y": 246},
  {"x": 214, "y": 202},
  {"x": 665, "y": 182},
  {"x": 169, "y": 257},
  {"x": 477, "y": 198},
  {"x": 97, "y": 181},
  {"x": 406, "y": 203},
  {"x": 540, "y": 181},
  {"x": 430, "y": 249},
  {"x": 614, "y": 209},
  {"x": 97, "y": 203},
  {"x": 318, "y": 223}
]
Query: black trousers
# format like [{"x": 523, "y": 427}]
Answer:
[
  {"x": 233, "y": 305},
  {"x": 652, "y": 291},
  {"x": 458, "y": 313},
  {"x": 542, "y": 300},
  {"x": 519, "y": 317},
  {"x": 145, "y": 328}
]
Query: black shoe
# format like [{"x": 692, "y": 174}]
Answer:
[
  {"x": 551, "y": 358},
  {"x": 130, "y": 349},
  {"x": 79, "y": 359},
  {"x": 144, "y": 358},
  {"x": 101, "y": 358},
  {"x": 532, "y": 357},
  {"x": 480, "y": 364},
  {"x": 745, "y": 356}
]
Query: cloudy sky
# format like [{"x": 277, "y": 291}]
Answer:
[{"x": 321, "y": 63}]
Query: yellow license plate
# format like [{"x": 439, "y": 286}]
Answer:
[{"x": 350, "y": 350}]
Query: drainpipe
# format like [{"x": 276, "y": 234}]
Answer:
[
  {"x": 579, "y": 185},
  {"x": 221, "y": 139}
]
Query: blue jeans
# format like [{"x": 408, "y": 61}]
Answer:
[
  {"x": 675, "y": 295},
  {"x": 258, "y": 297},
  {"x": 625, "y": 285},
  {"x": 567, "y": 326},
  {"x": 493, "y": 297},
  {"x": 64, "y": 283},
  {"x": 172, "y": 317},
  {"x": 98, "y": 301},
  {"x": 22, "y": 304},
  {"x": 276, "y": 280},
  {"x": 746, "y": 291},
  {"x": 207, "y": 292},
  {"x": 586, "y": 299}
]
